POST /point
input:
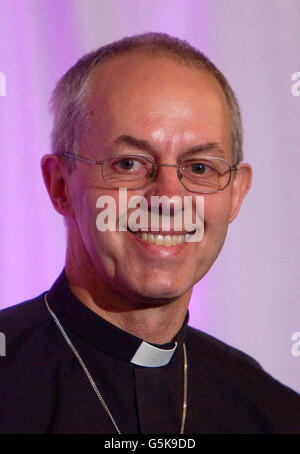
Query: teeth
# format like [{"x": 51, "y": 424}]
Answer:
[{"x": 163, "y": 240}]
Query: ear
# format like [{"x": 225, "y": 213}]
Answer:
[
  {"x": 55, "y": 179},
  {"x": 240, "y": 187}
]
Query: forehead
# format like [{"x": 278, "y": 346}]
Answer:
[{"x": 159, "y": 99}]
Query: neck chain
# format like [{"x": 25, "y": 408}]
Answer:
[{"x": 93, "y": 384}]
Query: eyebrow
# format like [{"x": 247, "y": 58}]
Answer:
[
  {"x": 133, "y": 142},
  {"x": 144, "y": 145}
]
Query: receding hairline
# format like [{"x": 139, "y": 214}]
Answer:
[
  {"x": 91, "y": 80},
  {"x": 155, "y": 53},
  {"x": 70, "y": 105}
]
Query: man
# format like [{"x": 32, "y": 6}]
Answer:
[{"x": 108, "y": 349}]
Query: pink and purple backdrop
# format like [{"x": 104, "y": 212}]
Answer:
[{"x": 250, "y": 298}]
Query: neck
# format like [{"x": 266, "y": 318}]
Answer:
[{"x": 153, "y": 321}]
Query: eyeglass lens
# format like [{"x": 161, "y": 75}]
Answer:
[{"x": 196, "y": 174}]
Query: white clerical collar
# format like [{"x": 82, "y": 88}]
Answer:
[{"x": 149, "y": 356}]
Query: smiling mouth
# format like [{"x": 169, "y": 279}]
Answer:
[{"x": 163, "y": 238}]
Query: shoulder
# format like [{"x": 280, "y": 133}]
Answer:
[
  {"x": 236, "y": 370},
  {"x": 25, "y": 317},
  {"x": 234, "y": 382},
  {"x": 216, "y": 350},
  {"x": 28, "y": 331},
  {"x": 29, "y": 367}
]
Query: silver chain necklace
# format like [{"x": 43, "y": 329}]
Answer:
[{"x": 93, "y": 384}]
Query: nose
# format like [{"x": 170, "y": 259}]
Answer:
[{"x": 166, "y": 181}]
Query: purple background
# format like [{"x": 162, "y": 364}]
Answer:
[{"x": 250, "y": 298}]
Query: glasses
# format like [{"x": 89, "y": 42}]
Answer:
[{"x": 202, "y": 175}]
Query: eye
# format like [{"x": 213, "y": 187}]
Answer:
[
  {"x": 127, "y": 164},
  {"x": 199, "y": 168}
]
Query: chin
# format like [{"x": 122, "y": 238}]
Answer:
[{"x": 158, "y": 293}]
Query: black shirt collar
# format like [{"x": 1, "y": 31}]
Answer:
[{"x": 76, "y": 317}]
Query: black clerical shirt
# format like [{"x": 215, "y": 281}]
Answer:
[{"x": 43, "y": 388}]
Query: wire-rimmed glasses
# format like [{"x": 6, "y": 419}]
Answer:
[{"x": 204, "y": 175}]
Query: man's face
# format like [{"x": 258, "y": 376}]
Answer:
[{"x": 173, "y": 108}]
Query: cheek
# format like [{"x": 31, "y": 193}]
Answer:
[
  {"x": 85, "y": 211},
  {"x": 88, "y": 217},
  {"x": 217, "y": 208}
]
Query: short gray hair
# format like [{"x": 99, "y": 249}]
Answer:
[{"x": 69, "y": 103}]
